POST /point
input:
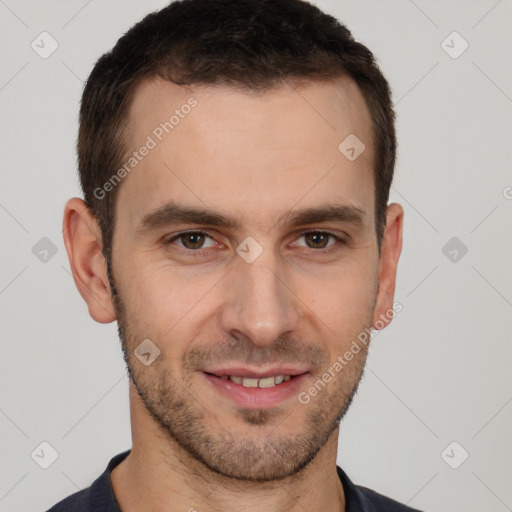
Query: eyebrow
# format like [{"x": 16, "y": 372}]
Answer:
[{"x": 173, "y": 213}]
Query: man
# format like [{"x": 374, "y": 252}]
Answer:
[{"x": 236, "y": 158}]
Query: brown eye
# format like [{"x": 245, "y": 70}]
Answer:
[
  {"x": 192, "y": 240},
  {"x": 317, "y": 239}
]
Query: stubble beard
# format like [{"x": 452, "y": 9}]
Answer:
[{"x": 244, "y": 455}]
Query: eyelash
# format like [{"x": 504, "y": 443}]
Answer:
[{"x": 198, "y": 252}]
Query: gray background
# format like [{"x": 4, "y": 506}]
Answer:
[{"x": 439, "y": 373}]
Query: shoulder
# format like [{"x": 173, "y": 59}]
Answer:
[
  {"x": 383, "y": 503},
  {"x": 77, "y": 502},
  {"x": 362, "y": 499},
  {"x": 99, "y": 496}
]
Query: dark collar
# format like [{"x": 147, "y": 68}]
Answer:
[{"x": 357, "y": 498}]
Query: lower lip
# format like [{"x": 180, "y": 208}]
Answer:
[{"x": 257, "y": 398}]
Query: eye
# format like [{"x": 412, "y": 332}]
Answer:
[
  {"x": 192, "y": 240},
  {"x": 318, "y": 240}
]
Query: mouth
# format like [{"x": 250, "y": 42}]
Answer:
[
  {"x": 255, "y": 382},
  {"x": 256, "y": 390}
]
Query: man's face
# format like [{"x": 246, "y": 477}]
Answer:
[{"x": 263, "y": 297}]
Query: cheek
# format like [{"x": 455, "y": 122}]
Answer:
[
  {"x": 341, "y": 307},
  {"x": 169, "y": 303},
  {"x": 165, "y": 299},
  {"x": 347, "y": 293}
]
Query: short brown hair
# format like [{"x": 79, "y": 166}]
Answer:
[{"x": 248, "y": 44}]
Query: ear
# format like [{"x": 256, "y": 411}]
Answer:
[
  {"x": 82, "y": 238},
  {"x": 390, "y": 253}
]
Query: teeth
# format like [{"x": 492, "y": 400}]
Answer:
[
  {"x": 250, "y": 383},
  {"x": 267, "y": 382}
]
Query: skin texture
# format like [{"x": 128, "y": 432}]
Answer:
[{"x": 253, "y": 157}]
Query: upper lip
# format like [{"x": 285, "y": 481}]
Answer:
[{"x": 240, "y": 371}]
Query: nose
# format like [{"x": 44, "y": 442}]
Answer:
[{"x": 260, "y": 304}]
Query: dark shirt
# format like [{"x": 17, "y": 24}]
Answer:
[{"x": 100, "y": 497}]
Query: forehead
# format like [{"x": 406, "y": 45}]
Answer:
[{"x": 240, "y": 150}]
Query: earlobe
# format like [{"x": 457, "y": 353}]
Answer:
[
  {"x": 390, "y": 254},
  {"x": 82, "y": 238}
]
